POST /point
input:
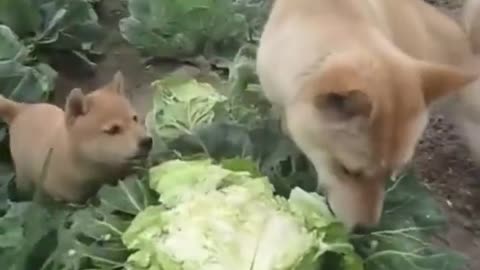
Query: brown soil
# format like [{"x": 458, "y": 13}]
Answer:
[
  {"x": 445, "y": 165},
  {"x": 442, "y": 159}
]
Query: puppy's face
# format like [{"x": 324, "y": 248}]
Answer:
[
  {"x": 105, "y": 130},
  {"x": 358, "y": 119}
]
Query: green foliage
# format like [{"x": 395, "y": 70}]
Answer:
[
  {"x": 215, "y": 218},
  {"x": 183, "y": 107},
  {"x": 20, "y": 79},
  {"x": 30, "y": 29},
  {"x": 47, "y": 236},
  {"x": 52, "y": 25},
  {"x": 411, "y": 216},
  {"x": 183, "y": 29}
]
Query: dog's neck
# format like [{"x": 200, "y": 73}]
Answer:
[{"x": 84, "y": 178}]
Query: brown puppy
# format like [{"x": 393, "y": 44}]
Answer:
[
  {"x": 353, "y": 80},
  {"x": 97, "y": 139}
]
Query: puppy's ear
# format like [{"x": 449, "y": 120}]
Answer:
[
  {"x": 76, "y": 105},
  {"x": 118, "y": 83},
  {"x": 441, "y": 80},
  {"x": 344, "y": 105}
]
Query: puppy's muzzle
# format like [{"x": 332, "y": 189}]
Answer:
[{"x": 145, "y": 144}]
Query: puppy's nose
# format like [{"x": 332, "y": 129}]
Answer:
[{"x": 146, "y": 143}]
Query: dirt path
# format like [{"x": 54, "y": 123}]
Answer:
[
  {"x": 442, "y": 159},
  {"x": 444, "y": 163}
]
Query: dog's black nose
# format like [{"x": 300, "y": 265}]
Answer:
[
  {"x": 361, "y": 229},
  {"x": 146, "y": 143}
]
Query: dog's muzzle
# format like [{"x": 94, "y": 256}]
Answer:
[{"x": 329, "y": 206}]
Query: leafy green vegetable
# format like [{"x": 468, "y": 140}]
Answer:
[
  {"x": 182, "y": 107},
  {"x": 256, "y": 12},
  {"x": 70, "y": 237},
  {"x": 230, "y": 222},
  {"x": 178, "y": 181},
  {"x": 189, "y": 118},
  {"x": 178, "y": 29},
  {"x": 402, "y": 240},
  {"x": 18, "y": 79},
  {"x": 20, "y": 16},
  {"x": 58, "y": 25},
  {"x": 92, "y": 237}
]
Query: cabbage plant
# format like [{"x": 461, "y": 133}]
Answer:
[{"x": 212, "y": 218}]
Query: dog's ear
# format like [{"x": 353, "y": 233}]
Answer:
[
  {"x": 76, "y": 105},
  {"x": 118, "y": 83},
  {"x": 344, "y": 105},
  {"x": 441, "y": 80}
]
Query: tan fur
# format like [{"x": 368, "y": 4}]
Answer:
[
  {"x": 354, "y": 79},
  {"x": 98, "y": 138},
  {"x": 471, "y": 22},
  {"x": 468, "y": 107}
]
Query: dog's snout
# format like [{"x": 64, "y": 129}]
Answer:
[
  {"x": 146, "y": 143},
  {"x": 329, "y": 206},
  {"x": 360, "y": 229}
]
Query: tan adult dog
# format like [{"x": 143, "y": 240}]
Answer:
[
  {"x": 354, "y": 79},
  {"x": 96, "y": 140}
]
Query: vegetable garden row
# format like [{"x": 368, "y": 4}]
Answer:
[{"x": 225, "y": 188}]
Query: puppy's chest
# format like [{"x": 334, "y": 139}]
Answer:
[{"x": 66, "y": 187}]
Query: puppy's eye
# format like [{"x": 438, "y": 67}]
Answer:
[
  {"x": 346, "y": 171},
  {"x": 135, "y": 118},
  {"x": 113, "y": 130}
]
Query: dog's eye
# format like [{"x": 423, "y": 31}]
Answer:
[
  {"x": 113, "y": 130},
  {"x": 354, "y": 174},
  {"x": 135, "y": 118}
]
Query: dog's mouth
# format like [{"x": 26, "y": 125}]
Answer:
[
  {"x": 138, "y": 160},
  {"x": 139, "y": 156},
  {"x": 329, "y": 206}
]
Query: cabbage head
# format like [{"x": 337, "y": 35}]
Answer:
[{"x": 214, "y": 218}]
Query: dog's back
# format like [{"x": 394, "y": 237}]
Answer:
[
  {"x": 27, "y": 126},
  {"x": 34, "y": 130},
  {"x": 415, "y": 27}
]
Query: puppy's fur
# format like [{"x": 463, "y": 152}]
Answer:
[
  {"x": 98, "y": 138},
  {"x": 354, "y": 79}
]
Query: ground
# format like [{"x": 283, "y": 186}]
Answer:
[{"x": 442, "y": 159}]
